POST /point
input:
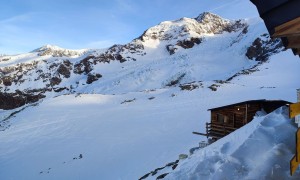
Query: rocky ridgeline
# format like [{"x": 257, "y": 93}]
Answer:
[
  {"x": 55, "y": 51},
  {"x": 187, "y": 32},
  {"x": 205, "y": 23}
]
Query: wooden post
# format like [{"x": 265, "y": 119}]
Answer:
[
  {"x": 207, "y": 131},
  {"x": 246, "y": 117}
]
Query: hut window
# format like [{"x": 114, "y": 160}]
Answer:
[
  {"x": 222, "y": 119},
  {"x": 226, "y": 119}
]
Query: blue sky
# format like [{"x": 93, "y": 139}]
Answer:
[{"x": 28, "y": 24}]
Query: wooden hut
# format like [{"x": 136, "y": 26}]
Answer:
[
  {"x": 282, "y": 19},
  {"x": 227, "y": 119}
]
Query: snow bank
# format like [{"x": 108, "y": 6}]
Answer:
[{"x": 260, "y": 150}]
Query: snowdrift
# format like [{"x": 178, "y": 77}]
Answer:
[{"x": 260, "y": 150}]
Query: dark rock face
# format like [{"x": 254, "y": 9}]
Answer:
[
  {"x": 63, "y": 70},
  {"x": 60, "y": 89},
  {"x": 235, "y": 26},
  {"x": 187, "y": 44},
  {"x": 162, "y": 176},
  {"x": 176, "y": 80},
  {"x": 214, "y": 87},
  {"x": 55, "y": 81},
  {"x": 7, "y": 81},
  {"x": 14, "y": 100},
  {"x": 91, "y": 78},
  {"x": 190, "y": 86},
  {"x": 171, "y": 49},
  {"x": 261, "y": 50},
  {"x": 120, "y": 58},
  {"x": 85, "y": 65}
]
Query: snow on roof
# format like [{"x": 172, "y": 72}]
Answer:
[{"x": 249, "y": 101}]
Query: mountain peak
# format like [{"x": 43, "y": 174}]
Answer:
[
  {"x": 206, "y": 17},
  {"x": 57, "y": 51},
  {"x": 186, "y": 28},
  {"x": 48, "y": 47}
]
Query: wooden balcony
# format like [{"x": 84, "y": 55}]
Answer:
[{"x": 217, "y": 131}]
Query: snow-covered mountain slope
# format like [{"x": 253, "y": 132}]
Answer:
[
  {"x": 119, "y": 112},
  {"x": 202, "y": 49},
  {"x": 125, "y": 136},
  {"x": 260, "y": 150}
]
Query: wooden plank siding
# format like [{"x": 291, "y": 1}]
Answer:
[
  {"x": 237, "y": 115},
  {"x": 227, "y": 119}
]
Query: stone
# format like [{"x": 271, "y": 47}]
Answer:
[
  {"x": 91, "y": 78},
  {"x": 63, "y": 70},
  {"x": 55, "y": 81},
  {"x": 7, "y": 81},
  {"x": 18, "y": 99},
  {"x": 183, "y": 156}
]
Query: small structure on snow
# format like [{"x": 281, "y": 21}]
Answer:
[{"x": 227, "y": 119}]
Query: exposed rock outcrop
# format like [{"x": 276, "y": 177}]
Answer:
[
  {"x": 64, "y": 70},
  {"x": 189, "y": 43},
  {"x": 93, "y": 77},
  {"x": 55, "y": 81},
  {"x": 263, "y": 47},
  {"x": 14, "y": 100}
]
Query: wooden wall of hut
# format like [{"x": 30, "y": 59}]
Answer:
[{"x": 235, "y": 116}]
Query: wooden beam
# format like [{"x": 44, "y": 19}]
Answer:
[
  {"x": 290, "y": 28},
  {"x": 294, "y": 109},
  {"x": 202, "y": 134}
]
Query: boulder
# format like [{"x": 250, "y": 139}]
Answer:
[{"x": 91, "y": 78}]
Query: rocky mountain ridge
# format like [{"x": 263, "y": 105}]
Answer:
[
  {"x": 56, "y": 51},
  {"x": 51, "y": 69}
]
